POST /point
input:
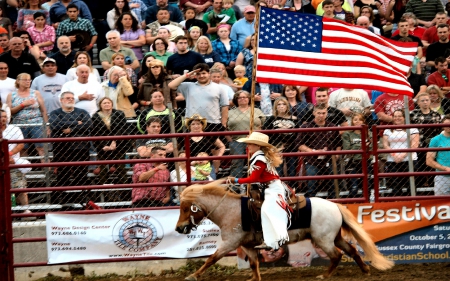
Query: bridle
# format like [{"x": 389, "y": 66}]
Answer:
[{"x": 195, "y": 208}]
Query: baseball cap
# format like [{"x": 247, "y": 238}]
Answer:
[
  {"x": 47, "y": 59},
  {"x": 249, "y": 9}
]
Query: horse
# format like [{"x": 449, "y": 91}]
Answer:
[{"x": 329, "y": 222}]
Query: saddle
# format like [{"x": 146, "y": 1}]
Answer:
[{"x": 251, "y": 211}]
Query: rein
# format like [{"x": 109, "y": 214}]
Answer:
[{"x": 195, "y": 208}]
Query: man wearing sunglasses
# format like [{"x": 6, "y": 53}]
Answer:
[{"x": 441, "y": 76}]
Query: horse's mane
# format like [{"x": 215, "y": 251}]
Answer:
[{"x": 192, "y": 192}]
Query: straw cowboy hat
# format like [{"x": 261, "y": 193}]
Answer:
[
  {"x": 195, "y": 117},
  {"x": 258, "y": 139}
]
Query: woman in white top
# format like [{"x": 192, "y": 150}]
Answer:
[
  {"x": 398, "y": 161},
  {"x": 120, "y": 7},
  {"x": 83, "y": 57}
]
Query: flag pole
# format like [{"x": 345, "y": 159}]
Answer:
[{"x": 252, "y": 94}]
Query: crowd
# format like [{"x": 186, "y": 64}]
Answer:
[{"x": 196, "y": 56}]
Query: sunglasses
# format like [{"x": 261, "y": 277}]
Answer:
[{"x": 444, "y": 77}]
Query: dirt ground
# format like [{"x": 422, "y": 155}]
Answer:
[{"x": 406, "y": 272}]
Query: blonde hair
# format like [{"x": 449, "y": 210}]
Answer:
[
  {"x": 273, "y": 155},
  {"x": 228, "y": 1},
  {"x": 422, "y": 94},
  {"x": 239, "y": 68},
  {"x": 202, "y": 153},
  {"x": 210, "y": 49},
  {"x": 275, "y": 104},
  {"x": 216, "y": 66},
  {"x": 88, "y": 57},
  {"x": 20, "y": 76},
  {"x": 436, "y": 88}
]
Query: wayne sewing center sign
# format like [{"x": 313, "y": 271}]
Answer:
[{"x": 126, "y": 234}]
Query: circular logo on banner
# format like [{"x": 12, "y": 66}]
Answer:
[{"x": 137, "y": 233}]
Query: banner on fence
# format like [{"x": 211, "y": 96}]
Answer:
[{"x": 124, "y": 235}]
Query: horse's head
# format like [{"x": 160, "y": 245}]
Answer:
[{"x": 191, "y": 215}]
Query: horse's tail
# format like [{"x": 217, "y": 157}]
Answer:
[{"x": 350, "y": 225}]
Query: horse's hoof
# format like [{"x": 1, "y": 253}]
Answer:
[
  {"x": 320, "y": 277},
  {"x": 190, "y": 278}
]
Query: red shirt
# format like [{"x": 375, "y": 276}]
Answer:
[
  {"x": 437, "y": 79},
  {"x": 259, "y": 175},
  {"x": 418, "y": 32}
]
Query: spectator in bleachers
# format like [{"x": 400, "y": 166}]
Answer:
[
  {"x": 5, "y": 22},
  {"x": 225, "y": 79},
  {"x": 441, "y": 77},
  {"x": 145, "y": 66},
  {"x": 386, "y": 104},
  {"x": 49, "y": 84},
  {"x": 202, "y": 168},
  {"x": 158, "y": 108},
  {"x": 216, "y": 17},
  {"x": 378, "y": 11},
  {"x": 7, "y": 85},
  {"x": 162, "y": 19},
  {"x": 216, "y": 77},
  {"x": 334, "y": 115},
  {"x": 58, "y": 11},
  {"x": 200, "y": 6},
  {"x": 108, "y": 121},
  {"x": 165, "y": 33},
  {"x": 115, "y": 46},
  {"x": 27, "y": 107},
  {"x": 70, "y": 121},
  {"x": 29, "y": 45},
  {"x": 424, "y": 115},
  {"x": 413, "y": 27},
  {"x": 398, "y": 161},
  {"x": 425, "y": 11},
  {"x": 440, "y": 160},
  {"x": 438, "y": 102},
  {"x": 47, "y": 5},
  {"x": 82, "y": 57},
  {"x": 87, "y": 93},
  {"x": 430, "y": 35},
  {"x": 20, "y": 61},
  {"x": 226, "y": 48},
  {"x": 319, "y": 141},
  {"x": 296, "y": 104},
  {"x": 193, "y": 34},
  {"x": 160, "y": 47},
  {"x": 131, "y": 35},
  {"x": 239, "y": 120},
  {"x": 364, "y": 22},
  {"x": 204, "y": 98},
  {"x": 18, "y": 180},
  {"x": 368, "y": 12},
  {"x": 403, "y": 32},
  {"x": 5, "y": 107},
  {"x": 212, "y": 145},
  {"x": 118, "y": 88},
  {"x": 156, "y": 79},
  {"x": 188, "y": 13},
  {"x": 350, "y": 101},
  {"x": 204, "y": 48},
  {"x": 65, "y": 57},
  {"x": 183, "y": 60},
  {"x": 328, "y": 9},
  {"x": 155, "y": 196},
  {"x": 352, "y": 140},
  {"x": 438, "y": 48},
  {"x": 183, "y": 177},
  {"x": 4, "y": 43},
  {"x": 76, "y": 23},
  {"x": 175, "y": 13},
  {"x": 245, "y": 26},
  {"x": 416, "y": 80},
  {"x": 139, "y": 9},
  {"x": 25, "y": 17},
  {"x": 118, "y": 59},
  {"x": 245, "y": 57},
  {"x": 42, "y": 34},
  {"x": 153, "y": 126},
  {"x": 120, "y": 7}
]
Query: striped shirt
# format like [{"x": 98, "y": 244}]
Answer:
[{"x": 425, "y": 11}]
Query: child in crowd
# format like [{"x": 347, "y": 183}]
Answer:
[
  {"x": 328, "y": 9},
  {"x": 230, "y": 15},
  {"x": 239, "y": 71},
  {"x": 189, "y": 13},
  {"x": 202, "y": 168},
  {"x": 5, "y": 23}
]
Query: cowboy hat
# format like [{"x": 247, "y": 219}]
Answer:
[
  {"x": 195, "y": 117},
  {"x": 258, "y": 139}
]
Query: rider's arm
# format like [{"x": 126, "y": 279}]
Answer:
[{"x": 256, "y": 174}]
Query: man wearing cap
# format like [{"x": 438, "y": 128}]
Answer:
[
  {"x": 215, "y": 17},
  {"x": 244, "y": 27},
  {"x": 175, "y": 13},
  {"x": 113, "y": 38},
  {"x": 19, "y": 61},
  {"x": 162, "y": 19},
  {"x": 203, "y": 97},
  {"x": 76, "y": 23},
  {"x": 50, "y": 84}
]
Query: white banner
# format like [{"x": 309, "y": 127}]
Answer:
[{"x": 126, "y": 234}]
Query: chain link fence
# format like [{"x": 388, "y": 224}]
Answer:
[{"x": 151, "y": 123}]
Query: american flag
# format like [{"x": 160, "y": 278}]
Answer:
[{"x": 308, "y": 50}]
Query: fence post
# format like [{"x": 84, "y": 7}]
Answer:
[
  {"x": 46, "y": 160},
  {"x": 376, "y": 181},
  {"x": 6, "y": 246},
  {"x": 365, "y": 160}
]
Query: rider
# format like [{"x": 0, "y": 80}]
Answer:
[{"x": 274, "y": 214}]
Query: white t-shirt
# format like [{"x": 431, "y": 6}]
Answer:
[
  {"x": 343, "y": 98},
  {"x": 93, "y": 76},
  {"x": 78, "y": 89},
  {"x": 13, "y": 133},
  {"x": 6, "y": 86},
  {"x": 398, "y": 140}
]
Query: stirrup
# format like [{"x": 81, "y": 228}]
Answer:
[{"x": 263, "y": 246}]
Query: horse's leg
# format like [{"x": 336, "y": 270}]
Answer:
[
  {"x": 333, "y": 253},
  {"x": 220, "y": 253},
  {"x": 252, "y": 255},
  {"x": 352, "y": 252}
]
